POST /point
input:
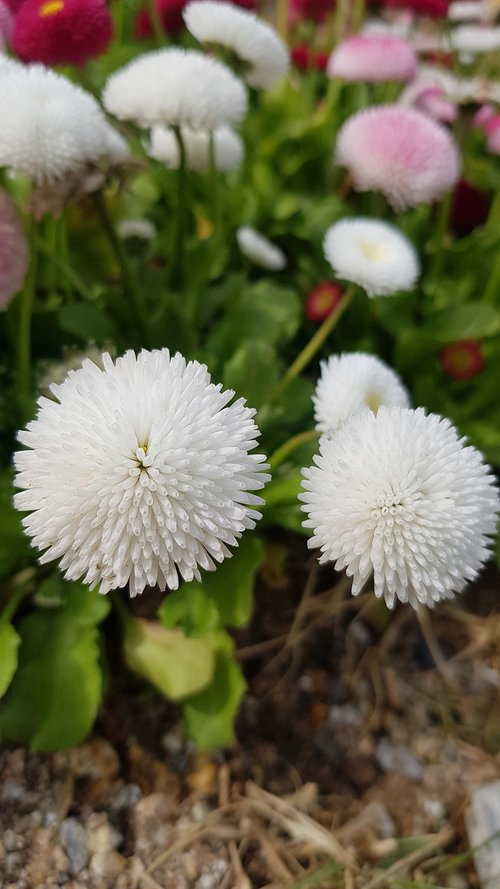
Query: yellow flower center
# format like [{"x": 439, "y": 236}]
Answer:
[
  {"x": 373, "y": 252},
  {"x": 51, "y": 7},
  {"x": 372, "y": 400}
]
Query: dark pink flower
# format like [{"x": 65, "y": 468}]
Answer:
[
  {"x": 462, "y": 360},
  {"x": 469, "y": 208},
  {"x": 322, "y": 300},
  {"x": 308, "y": 59},
  {"x": 61, "y": 32}
]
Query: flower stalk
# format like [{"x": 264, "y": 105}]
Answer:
[
  {"x": 180, "y": 229},
  {"x": 27, "y": 301}
]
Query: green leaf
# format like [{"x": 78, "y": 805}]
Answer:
[
  {"x": 87, "y": 322},
  {"x": 468, "y": 321},
  {"x": 252, "y": 371},
  {"x": 190, "y": 608},
  {"x": 14, "y": 545},
  {"x": 9, "y": 643},
  {"x": 175, "y": 665},
  {"x": 209, "y": 716},
  {"x": 88, "y": 607},
  {"x": 231, "y": 586},
  {"x": 53, "y": 699}
]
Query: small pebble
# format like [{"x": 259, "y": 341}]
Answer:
[{"x": 74, "y": 842}]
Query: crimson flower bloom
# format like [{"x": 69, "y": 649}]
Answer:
[
  {"x": 61, "y": 32},
  {"x": 462, "y": 360},
  {"x": 469, "y": 208},
  {"x": 322, "y": 300},
  {"x": 306, "y": 59}
]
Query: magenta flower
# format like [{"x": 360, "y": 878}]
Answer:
[
  {"x": 492, "y": 130},
  {"x": 400, "y": 152},
  {"x": 61, "y": 32},
  {"x": 13, "y": 250},
  {"x": 429, "y": 98},
  {"x": 373, "y": 58}
]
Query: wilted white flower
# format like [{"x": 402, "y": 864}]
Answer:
[
  {"x": 137, "y": 228},
  {"x": 252, "y": 40},
  {"x": 259, "y": 249},
  {"x": 14, "y": 252},
  {"x": 176, "y": 87},
  {"x": 373, "y": 254},
  {"x": 399, "y": 495},
  {"x": 139, "y": 472},
  {"x": 51, "y": 127},
  {"x": 228, "y": 148},
  {"x": 351, "y": 382},
  {"x": 475, "y": 39}
]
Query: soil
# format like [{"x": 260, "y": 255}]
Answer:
[{"x": 355, "y": 762}]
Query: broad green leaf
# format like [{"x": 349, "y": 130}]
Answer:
[
  {"x": 14, "y": 545},
  {"x": 252, "y": 371},
  {"x": 87, "y": 322},
  {"x": 53, "y": 699},
  {"x": 264, "y": 311},
  {"x": 467, "y": 321},
  {"x": 231, "y": 586},
  {"x": 88, "y": 607},
  {"x": 190, "y": 608},
  {"x": 9, "y": 643},
  {"x": 175, "y": 665},
  {"x": 209, "y": 716}
]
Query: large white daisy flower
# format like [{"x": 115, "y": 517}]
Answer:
[
  {"x": 373, "y": 254},
  {"x": 228, "y": 148},
  {"x": 398, "y": 495},
  {"x": 351, "y": 382},
  {"x": 259, "y": 249},
  {"x": 176, "y": 87},
  {"x": 252, "y": 40},
  {"x": 140, "y": 471},
  {"x": 50, "y": 126}
]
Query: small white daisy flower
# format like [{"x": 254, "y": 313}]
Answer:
[
  {"x": 373, "y": 254},
  {"x": 139, "y": 472},
  {"x": 228, "y": 148},
  {"x": 398, "y": 495},
  {"x": 259, "y": 249},
  {"x": 176, "y": 87},
  {"x": 51, "y": 127},
  {"x": 475, "y": 39},
  {"x": 351, "y": 382},
  {"x": 252, "y": 40},
  {"x": 133, "y": 227}
]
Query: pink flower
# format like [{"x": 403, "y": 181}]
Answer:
[
  {"x": 429, "y": 98},
  {"x": 373, "y": 58},
  {"x": 492, "y": 130},
  {"x": 13, "y": 250},
  {"x": 400, "y": 152},
  {"x": 322, "y": 300},
  {"x": 484, "y": 114},
  {"x": 6, "y": 20},
  {"x": 61, "y": 32}
]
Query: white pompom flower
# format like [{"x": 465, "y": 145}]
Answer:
[
  {"x": 51, "y": 128},
  {"x": 351, "y": 382},
  {"x": 398, "y": 495},
  {"x": 373, "y": 254},
  {"x": 252, "y": 40},
  {"x": 227, "y": 147},
  {"x": 139, "y": 472},
  {"x": 259, "y": 249},
  {"x": 176, "y": 87}
]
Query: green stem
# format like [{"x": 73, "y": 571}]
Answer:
[
  {"x": 214, "y": 184},
  {"x": 315, "y": 343},
  {"x": 340, "y": 21},
  {"x": 358, "y": 15},
  {"x": 51, "y": 227},
  {"x": 492, "y": 291},
  {"x": 492, "y": 223},
  {"x": 26, "y": 312},
  {"x": 441, "y": 229},
  {"x": 281, "y": 453},
  {"x": 62, "y": 265},
  {"x": 128, "y": 280},
  {"x": 282, "y": 19},
  {"x": 180, "y": 230},
  {"x": 158, "y": 32}
]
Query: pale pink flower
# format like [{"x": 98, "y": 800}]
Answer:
[
  {"x": 429, "y": 98},
  {"x": 400, "y": 152},
  {"x": 373, "y": 58},
  {"x": 6, "y": 22},
  {"x": 13, "y": 250},
  {"x": 492, "y": 130},
  {"x": 483, "y": 115}
]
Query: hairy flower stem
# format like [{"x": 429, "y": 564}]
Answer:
[
  {"x": 27, "y": 299},
  {"x": 440, "y": 232},
  {"x": 128, "y": 279},
  {"x": 290, "y": 446},
  {"x": 156, "y": 25},
  {"x": 315, "y": 343},
  {"x": 177, "y": 277}
]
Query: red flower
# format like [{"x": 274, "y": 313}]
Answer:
[
  {"x": 469, "y": 208},
  {"x": 435, "y": 8},
  {"x": 61, "y": 32},
  {"x": 308, "y": 60},
  {"x": 322, "y": 300},
  {"x": 13, "y": 4},
  {"x": 316, "y": 10},
  {"x": 170, "y": 15},
  {"x": 462, "y": 360}
]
